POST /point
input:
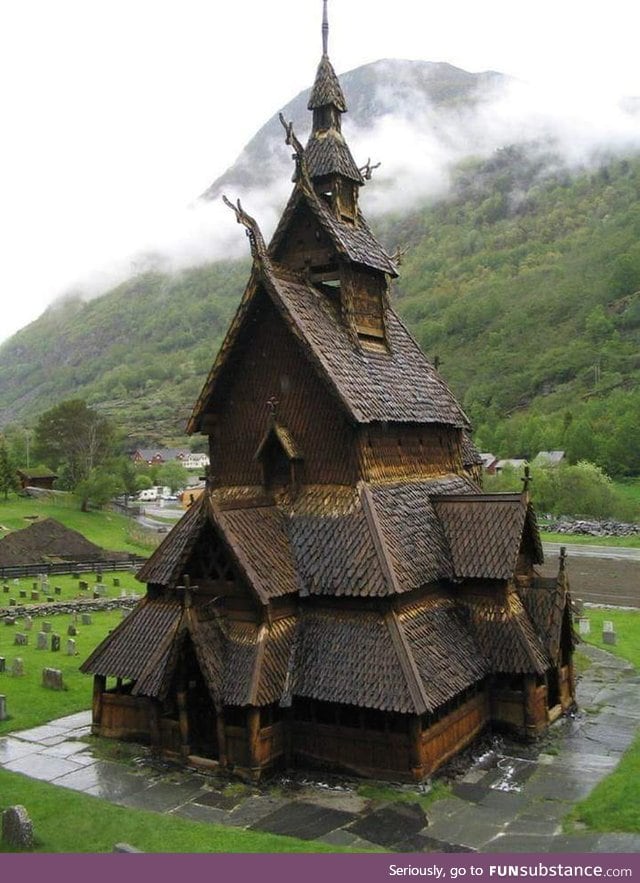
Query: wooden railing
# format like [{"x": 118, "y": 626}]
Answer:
[{"x": 15, "y": 571}]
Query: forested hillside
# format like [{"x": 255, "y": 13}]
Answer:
[{"x": 525, "y": 283}]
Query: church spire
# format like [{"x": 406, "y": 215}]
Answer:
[
  {"x": 329, "y": 160},
  {"x": 325, "y": 28}
]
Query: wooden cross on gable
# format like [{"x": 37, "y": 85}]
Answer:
[{"x": 186, "y": 591}]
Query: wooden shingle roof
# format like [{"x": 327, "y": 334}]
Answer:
[
  {"x": 326, "y": 88},
  {"x": 484, "y": 533},
  {"x": 327, "y": 153},
  {"x": 141, "y": 647}
]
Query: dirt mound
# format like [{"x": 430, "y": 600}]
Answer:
[{"x": 48, "y": 541}]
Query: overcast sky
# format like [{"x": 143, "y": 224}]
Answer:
[{"x": 116, "y": 115}]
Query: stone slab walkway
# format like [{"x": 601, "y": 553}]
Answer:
[{"x": 512, "y": 799}]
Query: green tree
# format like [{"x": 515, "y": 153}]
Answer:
[
  {"x": 100, "y": 486},
  {"x": 8, "y": 479},
  {"x": 74, "y": 438},
  {"x": 173, "y": 474}
]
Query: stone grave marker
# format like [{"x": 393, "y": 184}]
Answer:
[
  {"x": 50, "y": 600},
  {"x": 28, "y": 623},
  {"x": 75, "y": 576},
  {"x": 71, "y": 647},
  {"x": 46, "y": 626},
  {"x": 12, "y": 602},
  {"x": 9, "y": 620},
  {"x": 608, "y": 633},
  {"x": 584, "y": 626},
  {"x": 35, "y": 587},
  {"x": 21, "y": 639},
  {"x": 123, "y": 593},
  {"x": 55, "y": 643},
  {"x": 16, "y": 582},
  {"x": 3, "y": 664},
  {"x": 72, "y": 631},
  {"x": 35, "y": 596},
  {"x": 17, "y": 828},
  {"x": 86, "y": 619},
  {"x": 57, "y": 590},
  {"x": 23, "y": 593},
  {"x": 98, "y": 576},
  {"x": 6, "y": 589},
  {"x": 3, "y": 708},
  {"x": 17, "y": 667},
  {"x": 116, "y": 582},
  {"x": 52, "y": 679},
  {"x": 43, "y": 641},
  {"x": 84, "y": 585}
]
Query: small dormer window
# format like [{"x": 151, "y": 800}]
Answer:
[{"x": 280, "y": 458}]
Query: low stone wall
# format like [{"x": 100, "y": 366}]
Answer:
[{"x": 79, "y": 605}]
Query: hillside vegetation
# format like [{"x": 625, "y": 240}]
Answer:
[{"x": 525, "y": 283}]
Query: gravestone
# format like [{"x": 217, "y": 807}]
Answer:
[
  {"x": 9, "y": 620},
  {"x": 86, "y": 619},
  {"x": 52, "y": 679},
  {"x": 43, "y": 641},
  {"x": 16, "y": 582},
  {"x": 584, "y": 626},
  {"x": 116, "y": 582},
  {"x": 17, "y": 667},
  {"x": 99, "y": 576},
  {"x": 28, "y": 623},
  {"x": 57, "y": 590},
  {"x": 35, "y": 587},
  {"x": 75, "y": 576},
  {"x": 71, "y": 647},
  {"x": 72, "y": 631},
  {"x": 50, "y": 600},
  {"x": 35, "y": 596},
  {"x": 17, "y": 828},
  {"x": 84, "y": 584},
  {"x": 608, "y": 633},
  {"x": 55, "y": 643},
  {"x": 12, "y": 602},
  {"x": 6, "y": 589},
  {"x": 21, "y": 639},
  {"x": 123, "y": 593},
  {"x": 3, "y": 664},
  {"x": 23, "y": 593},
  {"x": 3, "y": 708},
  {"x": 46, "y": 626}
]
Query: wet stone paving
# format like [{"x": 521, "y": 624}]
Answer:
[{"x": 509, "y": 798}]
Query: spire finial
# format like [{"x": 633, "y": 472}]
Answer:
[{"x": 325, "y": 28}]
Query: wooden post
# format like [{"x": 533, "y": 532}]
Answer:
[
  {"x": 183, "y": 717},
  {"x": 154, "y": 725},
  {"x": 415, "y": 748},
  {"x": 222, "y": 736},
  {"x": 99, "y": 686},
  {"x": 253, "y": 735}
]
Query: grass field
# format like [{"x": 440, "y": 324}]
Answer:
[
  {"x": 627, "y": 626},
  {"x": 106, "y": 529},
  {"x": 28, "y": 702}
]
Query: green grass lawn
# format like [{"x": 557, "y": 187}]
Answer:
[
  {"x": 28, "y": 702},
  {"x": 630, "y": 488},
  {"x": 110, "y": 530},
  {"x": 65, "y": 821},
  {"x": 614, "y": 804},
  {"x": 627, "y": 626}
]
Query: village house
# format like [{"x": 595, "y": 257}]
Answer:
[{"x": 343, "y": 594}]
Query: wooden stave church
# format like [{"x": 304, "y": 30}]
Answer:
[{"x": 344, "y": 595}]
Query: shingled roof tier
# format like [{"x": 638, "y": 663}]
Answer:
[
  {"x": 255, "y": 538},
  {"x": 326, "y": 88},
  {"x": 327, "y": 153},
  {"x": 353, "y": 241},
  {"x": 141, "y": 648},
  {"x": 484, "y": 533}
]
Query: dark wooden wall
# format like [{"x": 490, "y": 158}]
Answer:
[{"x": 269, "y": 364}]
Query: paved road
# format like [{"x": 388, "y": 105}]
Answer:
[{"x": 577, "y": 550}]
